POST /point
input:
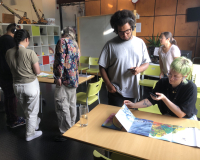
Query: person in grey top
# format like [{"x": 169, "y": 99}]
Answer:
[{"x": 122, "y": 60}]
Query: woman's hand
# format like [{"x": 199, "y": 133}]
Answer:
[
  {"x": 58, "y": 82},
  {"x": 129, "y": 104},
  {"x": 160, "y": 96}
]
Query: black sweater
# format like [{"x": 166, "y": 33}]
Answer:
[{"x": 184, "y": 96}]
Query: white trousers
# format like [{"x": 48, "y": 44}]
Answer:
[
  {"x": 28, "y": 97},
  {"x": 65, "y": 107}
]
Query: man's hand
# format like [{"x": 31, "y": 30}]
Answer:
[
  {"x": 129, "y": 104},
  {"x": 111, "y": 88},
  {"x": 136, "y": 71},
  {"x": 58, "y": 82}
]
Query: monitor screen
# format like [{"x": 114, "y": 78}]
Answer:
[{"x": 193, "y": 14}]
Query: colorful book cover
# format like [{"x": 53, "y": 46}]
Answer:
[
  {"x": 112, "y": 123},
  {"x": 124, "y": 119},
  {"x": 161, "y": 131},
  {"x": 141, "y": 127}
]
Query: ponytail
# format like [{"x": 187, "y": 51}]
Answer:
[
  {"x": 169, "y": 35},
  {"x": 20, "y": 35}
]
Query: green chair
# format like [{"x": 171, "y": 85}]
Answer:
[
  {"x": 114, "y": 156},
  {"x": 153, "y": 108},
  {"x": 91, "y": 95},
  {"x": 98, "y": 156},
  {"x": 152, "y": 70},
  {"x": 83, "y": 60},
  {"x": 198, "y": 103},
  {"x": 92, "y": 63}
]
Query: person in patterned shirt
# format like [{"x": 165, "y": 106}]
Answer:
[{"x": 65, "y": 70}]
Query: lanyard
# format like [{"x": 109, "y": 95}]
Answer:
[{"x": 21, "y": 45}]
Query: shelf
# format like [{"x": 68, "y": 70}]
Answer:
[{"x": 46, "y": 38}]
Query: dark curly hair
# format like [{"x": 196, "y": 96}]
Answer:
[{"x": 122, "y": 17}]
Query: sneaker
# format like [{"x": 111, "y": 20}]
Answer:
[
  {"x": 38, "y": 122},
  {"x": 21, "y": 121},
  {"x": 37, "y": 134}
]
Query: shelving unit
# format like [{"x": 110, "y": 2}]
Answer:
[{"x": 42, "y": 38}]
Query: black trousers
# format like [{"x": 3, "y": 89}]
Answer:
[{"x": 117, "y": 99}]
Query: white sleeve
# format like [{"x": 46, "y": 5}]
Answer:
[
  {"x": 146, "y": 58},
  {"x": 175, "y": 51}
]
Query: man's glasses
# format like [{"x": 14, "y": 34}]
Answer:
[
  {"x": 126, "y": 32},
  {"x": 175, "y": 78}
]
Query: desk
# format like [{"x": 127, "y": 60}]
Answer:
[
  {"x": 132, "y": 144},
  {"x": 48, "y": 80}
]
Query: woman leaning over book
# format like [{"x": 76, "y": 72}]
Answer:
[{"x": 176, "y": 96}]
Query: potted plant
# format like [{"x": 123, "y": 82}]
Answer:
[{"x": 153, "y": 42}]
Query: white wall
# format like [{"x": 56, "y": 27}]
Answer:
[{"x": 51, "y": 10}]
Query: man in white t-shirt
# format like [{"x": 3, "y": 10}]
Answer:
[{"x": 119, "y": 56}]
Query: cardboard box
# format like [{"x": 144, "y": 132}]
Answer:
[{"x": 8, "y": 18}]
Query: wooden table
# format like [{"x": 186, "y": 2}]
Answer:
[
  {"x": 132, "y": 144},
  {"x": 48, "y": 80}
]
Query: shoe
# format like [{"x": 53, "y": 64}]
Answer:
[
  {"x": 21, "y": 121},
  {"x": 60, "y": 138},
  {"x": 38, "y": 122},
  {"x": 37, "y": 134}
]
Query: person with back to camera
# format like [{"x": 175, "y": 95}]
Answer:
[
  {"x": 6, "y": 79},
  {"x": 176, "y": 96},
  {"x": 167, "y": 52},
  {"x": 119, "y": 56},
  {"x": 24, "y": 67}
]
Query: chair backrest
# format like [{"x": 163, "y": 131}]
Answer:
[
  {"x": 84, "y": 59},
  {"x": 98, "y": 156},
  {"x": 187, "y": 54},
  {"x": 93, "y": 61},
  {"x": 94, "y": 88},
  {"x": 152, "y": 70}
]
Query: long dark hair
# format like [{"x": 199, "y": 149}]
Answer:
[
  {"x": 169, "y": 35},
  {"x": 20, "y": 35}
]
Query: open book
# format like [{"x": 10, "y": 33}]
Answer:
[{"x": 124, "y": 119}]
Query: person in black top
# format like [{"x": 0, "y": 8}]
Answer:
[
  {"x": 6, "y": 81},
  {"x": 176, "y": 96}
]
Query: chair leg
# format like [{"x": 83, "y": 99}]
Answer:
[
  {"x": 87, "y": 105},
  {"x": 142, "y": 91},
  {"x": 97, "y": 76},
  {"x": 98, "y": 98}
]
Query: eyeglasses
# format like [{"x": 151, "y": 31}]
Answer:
[
  {"x": 126, "y": 31},
  {"x": 175, "y": 78}
]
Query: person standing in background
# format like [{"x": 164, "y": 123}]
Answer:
[
  {"x": 24, "y": 67},
  {"x": 167, "y": 52},
  {"x": 122, "y": 60},
  {"x": 66, "y": 77},
  {"x": 6, "y": 79}
]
